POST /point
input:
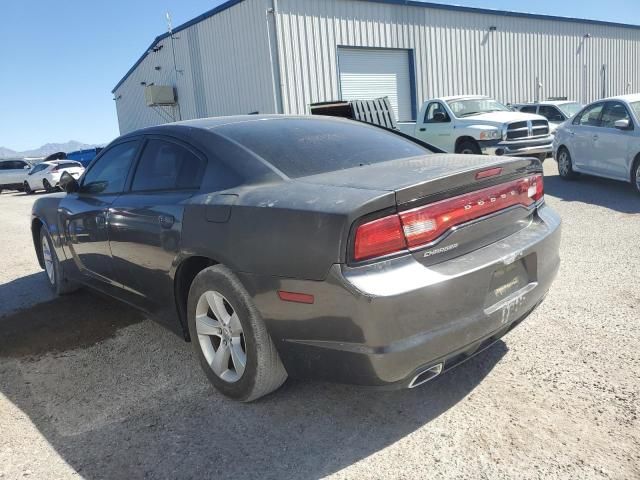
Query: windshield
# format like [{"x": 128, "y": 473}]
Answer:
[
  {"x": 570, "y": 109},
  {"x": 475, "y": 106},
  {"x": 636, "y": 108}
]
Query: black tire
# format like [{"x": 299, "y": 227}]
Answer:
[
  {"x": 57, "y": 281},
  {"x": 263, "y": 372},
  {"x": 27, "y": 189},
  {"x": 635, "y": 175},
  {"x": 468, "y": 147},
  {"x": 47, "y": 186},
  {"x": 565, "y": 165}
]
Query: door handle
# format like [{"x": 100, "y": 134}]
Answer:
[
  {"x": 166, "y": 221},
  {"x": 423, "y": 129}
]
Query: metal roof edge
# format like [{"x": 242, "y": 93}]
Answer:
[
  {"x": 506, "y": 13},
  {"x": 210, "y": 13}
]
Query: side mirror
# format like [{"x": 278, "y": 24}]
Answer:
[
  {"x": 622, "y": 124},
  {"x": 440, "y": 117},
  {"x": 68, "y": 183}
]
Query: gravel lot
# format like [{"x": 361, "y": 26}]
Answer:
[{"x": 90, "y": 388}]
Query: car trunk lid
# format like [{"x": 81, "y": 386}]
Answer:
[{"x": 433, "y": 180}]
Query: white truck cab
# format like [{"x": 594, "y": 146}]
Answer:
[{"x": 477, "y": 124}]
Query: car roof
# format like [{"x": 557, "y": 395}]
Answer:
[
  {"x": 212, "y": 123},
  {"x": 634, "y": 97},
  {"x": 461, "y": 97},
  {"x": 545, "y": 102}
]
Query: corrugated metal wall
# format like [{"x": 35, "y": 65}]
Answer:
[
  {"x": 223, "y": 69},
  {"x": 455, "y": 53}
]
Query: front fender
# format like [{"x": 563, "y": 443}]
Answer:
[{"x": 45, "y": 214}]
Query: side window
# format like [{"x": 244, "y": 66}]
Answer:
[
  {"x": 109, "y": 173},
  {"x": 529, "y": 109},
  {"x": 4, "y": 165},
  {"x": 167, "y": 166},
  {"x": 613, "y": 112},
  {"x": 38, "y": 168},
  {"x": 590, "y": 116},
  {"x": 551, "y": 113},
  {"x": 436, "y": 114}
]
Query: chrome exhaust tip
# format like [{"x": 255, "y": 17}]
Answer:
[{"x": 426, "y": 375}]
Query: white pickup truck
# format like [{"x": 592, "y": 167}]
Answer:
[{"x": 477, "y": 124}]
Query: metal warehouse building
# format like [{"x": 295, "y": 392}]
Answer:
[{"x": 279, "y": 56}]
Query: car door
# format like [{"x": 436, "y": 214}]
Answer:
[
  {"x": 146, "y": 221},
  {"x": 583, "y": 131},
  {"x": 611, "y": 144},
  {"x": 84, "y": 215},
  {"x": 34, "y": 177},
  {"x": 436, "y": 127}
]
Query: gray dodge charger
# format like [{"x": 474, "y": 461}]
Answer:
[{"x": 306, "y": 246}]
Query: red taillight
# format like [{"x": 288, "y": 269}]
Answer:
[
  {"x": 422, "y": 225},
  {"x": 379, "y": 237}
]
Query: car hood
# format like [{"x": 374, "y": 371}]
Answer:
[{"x": 491, "y": 118}]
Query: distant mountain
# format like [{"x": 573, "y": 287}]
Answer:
[{"x": 46, "y": 149}]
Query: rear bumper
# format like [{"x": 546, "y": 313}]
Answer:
[
  {"x": 518, "y": 148},
  {"x": 380, "y": 325}
]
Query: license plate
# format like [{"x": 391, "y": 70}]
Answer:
[{"x": 506, "y": 281}]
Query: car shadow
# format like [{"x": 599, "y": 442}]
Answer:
[
  {"x": 118, "y": 396},
  {"x": 612, "y": 194},
  {"x": 24, "y": 291}
]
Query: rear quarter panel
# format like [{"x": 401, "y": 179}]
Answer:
[{"x": 292, "y": 230}]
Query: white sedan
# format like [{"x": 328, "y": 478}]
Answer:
[
  {"x": 46, "y": 175},
  {"x": 603, "y": 140}
]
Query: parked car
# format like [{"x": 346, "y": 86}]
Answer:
[
  {"x": 306, "y": 246},
  {"x": 555, "y": 111},
  {"x": 12, "y": 174},
  {"x": 477, "y": 124},
  {"x": 46, "y": 175},
  {"x": 603, "y": 139}
]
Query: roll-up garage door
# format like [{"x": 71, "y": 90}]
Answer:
[{"x": 368, "y": 73}]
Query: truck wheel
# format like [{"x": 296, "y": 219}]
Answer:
[
  {"x": 230, "y": 338},
  {"x": 565, "y": 165},
  {"x": 468, "y": 147}
]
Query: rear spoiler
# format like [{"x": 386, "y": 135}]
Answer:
[{"x": 377, "y": 112}]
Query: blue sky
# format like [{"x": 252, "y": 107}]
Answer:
[{"x": 60, "y": 59}]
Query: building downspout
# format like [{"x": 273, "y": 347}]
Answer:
[{"x": 272, "y": 33}]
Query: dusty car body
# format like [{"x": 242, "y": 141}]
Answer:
[{"x": 322, "y": 225}]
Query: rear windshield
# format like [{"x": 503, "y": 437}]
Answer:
[
  {"x": 63, "y": 165},
  {"x": 302, "y": 147}
]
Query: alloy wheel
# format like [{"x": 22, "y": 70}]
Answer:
[
  {"x": 563, "y": 163},
  {"x": 48, "y": 260},
  {"x": 221, "y": 336},
  {"x": 638, "y": 178}
]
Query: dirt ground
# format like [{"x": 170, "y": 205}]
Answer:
[{"x": 91, "y": 389}]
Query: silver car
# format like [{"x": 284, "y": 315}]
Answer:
[
  {"x": 12, "y": 173},
  {"x": 603, "y": 139}
]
